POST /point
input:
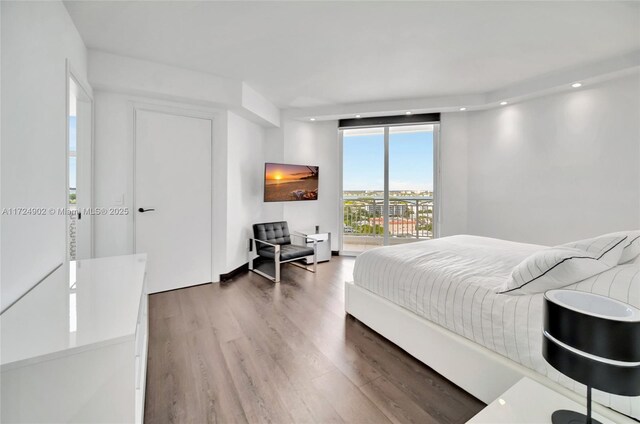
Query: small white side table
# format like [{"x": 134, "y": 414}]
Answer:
[
  {"x": 528, "y": 402},
  {"x": 324, "y": 244}
]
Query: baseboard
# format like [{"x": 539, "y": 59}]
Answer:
[
  {"x": 180, "y": 288},
  {"x": 245, "y": 268},
  {"x": 234, "y": 272}
]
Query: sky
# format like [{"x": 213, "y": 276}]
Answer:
[{"x": 410, "y": 162}]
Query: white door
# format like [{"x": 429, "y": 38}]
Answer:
[{"x": 173, "y": 198}]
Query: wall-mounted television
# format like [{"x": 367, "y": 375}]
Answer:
[{"x": 289, "y": 183}]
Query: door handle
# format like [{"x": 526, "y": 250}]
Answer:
[{"x": 142, "y": 210}]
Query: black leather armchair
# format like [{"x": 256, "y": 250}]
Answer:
[{"x": 272, "y": 242}]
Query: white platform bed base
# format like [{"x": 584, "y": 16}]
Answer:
[{"x": 478, "y": 370}]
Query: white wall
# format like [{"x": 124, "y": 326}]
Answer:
[
  {"x": 120, "y": 74},
  {"x": 37, "y": 39},
  {"x": 240, "y": 149},
  {"x": 247, "y": 151},
  {"x": 315, "y": 143},
  {"x": 547, "y": 170},
  {"x": 113, "y": 173},
  {"x": 557, "y": 168},
  {"x": 114, "y": 165},
  {"x": 453, "y": 174}
]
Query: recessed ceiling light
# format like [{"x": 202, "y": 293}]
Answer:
[
  {"x": 463, "y": 109},
  {"x": 408, "y": 112},
  {"x": 576, "y": 85},
  {"x": 358, "y": 116},
  {"x": 503, "y": 103},
  {"x": 312, "y": 119}
]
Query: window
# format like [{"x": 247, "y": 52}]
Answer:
[
  {"x": 79, "y": 172},
  {"x": 389, "y": 185}
]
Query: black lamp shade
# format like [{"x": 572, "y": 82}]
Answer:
[
  {"x": 597, "y": 349},
  {"x": 597, "y": 335},
  {"x": 609, "y": 378}
]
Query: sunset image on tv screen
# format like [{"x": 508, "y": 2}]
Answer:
[{"x": 284, "y": 183}]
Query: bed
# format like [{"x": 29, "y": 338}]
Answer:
[{"x": 438, "y": 300}]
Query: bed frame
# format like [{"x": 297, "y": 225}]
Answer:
[{"x": 478, "y": 370}]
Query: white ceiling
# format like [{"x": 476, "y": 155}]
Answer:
[{"x": 305, "y": 54}]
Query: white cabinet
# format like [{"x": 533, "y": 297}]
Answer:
[{"x": 74, "y": 349}]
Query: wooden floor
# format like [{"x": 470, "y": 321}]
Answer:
[{"x": 252, "y": 351}]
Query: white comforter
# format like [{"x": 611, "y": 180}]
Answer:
[{"x": 453, "y": 282}]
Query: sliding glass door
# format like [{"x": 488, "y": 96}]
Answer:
[
  {"x": 389, "y": 179},
  {"x": 363, "y": 175},
  {"x": 411, "y": 176}
]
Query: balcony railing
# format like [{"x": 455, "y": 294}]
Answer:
[{"x": 410, "y": 219}]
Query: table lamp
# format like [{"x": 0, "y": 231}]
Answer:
[{"x": 594, "y": 340}]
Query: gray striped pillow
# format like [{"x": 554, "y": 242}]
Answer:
[{"x": 561, "y": 266}]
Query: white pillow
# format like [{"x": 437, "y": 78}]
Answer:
[
  {"x": 561, "y": 266},
  {"x": 607, "y": 248},
  {"x": 631, "y": 246}
]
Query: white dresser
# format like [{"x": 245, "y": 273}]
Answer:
[{"x": 74, "y": 349}]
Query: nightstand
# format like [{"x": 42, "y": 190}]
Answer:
[
  {"x": 324, "y": 243},
  {"x": 527, "y": 402}
]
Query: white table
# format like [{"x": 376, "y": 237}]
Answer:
[
  {"x": 74, "y": 348},
  {"x": 324, "y": 243},
  {"x": 528, "y": 402}
]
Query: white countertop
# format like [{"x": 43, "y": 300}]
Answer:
[
  {"x": 528, "y": 402},
  {"x": 80, "y": 305}
]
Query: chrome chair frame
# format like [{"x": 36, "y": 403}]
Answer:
[{"x": 253, "y": 254}]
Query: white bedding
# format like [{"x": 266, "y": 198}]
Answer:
[{"x": 453, "y": 282}]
